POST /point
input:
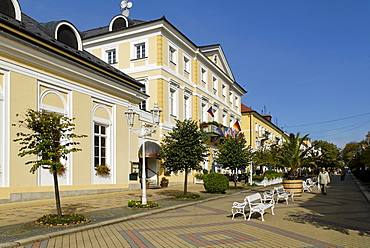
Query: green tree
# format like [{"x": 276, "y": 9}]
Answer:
[
  {"x": 295, "y": 154},
  {"x": 233, "y": 154},
  {"x": 50, "y": 140},
  {"x": 267, "y": 156},
  {"x": 183, "y": 149},
  {"x": 350, "y": 150},
  {"x": 330, "y": 154}
]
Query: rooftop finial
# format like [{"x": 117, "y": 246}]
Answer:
[{"x": 125, "y": 6}]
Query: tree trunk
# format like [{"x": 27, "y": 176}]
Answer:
[
  {"x": 186, "y": 182},
  {"x": 56, "y": 190},
  {"x": 235, "y": 179}
]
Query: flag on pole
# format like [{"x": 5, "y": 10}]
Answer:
[
  {"x": 210, "y": 111},
  {"x": 237, "y": 126}
]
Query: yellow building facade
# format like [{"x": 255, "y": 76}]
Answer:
[
  {"x": 43, "y": 66},
  {"x": 95, "y": 77},
  {"x": 185, "y": 80},
  {"x": 259, "y": 130}
]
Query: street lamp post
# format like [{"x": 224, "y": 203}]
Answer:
[{"x": 142, "y": 132}]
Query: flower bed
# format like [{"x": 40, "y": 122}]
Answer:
[
  {"x": 66, "y": 220},
  {"x": 138, "y": 205}
]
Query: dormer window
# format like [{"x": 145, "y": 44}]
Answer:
[
  {"x": 215, "y": 59},
  {"x": 11, "y": 8},
  {"x": 66, "y": 33},
  {"x": 118, "y": 22}
]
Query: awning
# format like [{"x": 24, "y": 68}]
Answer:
[{"x": 151, "y": 150}]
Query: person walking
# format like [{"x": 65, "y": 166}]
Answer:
[
  {"x": 342, "y": 175},
  {"x": 323, "y": 180}
]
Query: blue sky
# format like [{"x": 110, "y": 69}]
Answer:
[{"x": 306, "y": 62}]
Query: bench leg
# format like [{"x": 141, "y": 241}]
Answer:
[
  {"x": 272, "y": 210},
  {"x": 262, "y": 213}
]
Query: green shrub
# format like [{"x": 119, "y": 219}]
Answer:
[{"x": 216, "y": 183}]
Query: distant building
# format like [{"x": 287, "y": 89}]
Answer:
[{"x": 259, "y": 130}]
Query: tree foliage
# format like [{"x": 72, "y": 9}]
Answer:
[
  {"x": 49, "y": 140},
  {"x": 233, "y": 153},
  {"x": 330, "y": 154},
  {"x": 183, "y": 149}
]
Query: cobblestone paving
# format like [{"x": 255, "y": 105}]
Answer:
[{"x": 339, "y": 219}]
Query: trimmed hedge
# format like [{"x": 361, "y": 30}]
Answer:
[{"x": 216, "y": 183}]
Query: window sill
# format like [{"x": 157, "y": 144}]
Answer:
[{"x": 138, "y": 59}]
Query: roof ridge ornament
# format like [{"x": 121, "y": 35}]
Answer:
[{"x": 124, "y": 7}]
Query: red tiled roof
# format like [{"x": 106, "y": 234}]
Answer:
[{"x": 246, "y": 109}]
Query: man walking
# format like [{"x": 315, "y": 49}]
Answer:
[{"x": 324, "y": 180}]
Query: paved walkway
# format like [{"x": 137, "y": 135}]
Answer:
[{"x": 339, "y": 219}]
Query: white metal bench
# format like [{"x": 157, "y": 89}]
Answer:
[
  {"x": 268, "y": 195},
  {"x": 281, "y": 193},
  {"x": 255, "y": 204},
  {"x": 238, "y": 208},
  {"x": 306, "y": 187}
]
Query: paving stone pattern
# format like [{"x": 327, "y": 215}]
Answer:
[{"x": 339, "y": 219}]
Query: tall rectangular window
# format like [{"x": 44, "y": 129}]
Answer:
[
  {"x": 203, "y": 74},
  {"x": 172, "y": 53},
  {"x": 140, "y": 50},
  {"x": 100, "y": 144},
  {"x": 186, "y": 107},
  {"x": 223, "y": 90},
  {"x": 214, "y": 84},
  {"x": 173, "y": 101},
  {"x": 186, "y": 65},
  {"x": 111, "y": 56}
]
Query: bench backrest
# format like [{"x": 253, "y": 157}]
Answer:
[
  {"x": 254, "y": 197},
  {"x": 279, "y": 189}
]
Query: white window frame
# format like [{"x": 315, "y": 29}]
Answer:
[
  {"x": 215, "y": 108},
  {"x": 214, "y": 84},
  {"x": 204, "y": 108},
  {"x": 144, "y": 104},
  {"x": 187, "y": 104},
  {"x": 203, "y": 74},
  {"x": 186, "y": 62},
  {"x": 110, "y": 142},
  {"x": 134, "y": 49},
  {"x": 224, "y": 118},
  {"x": 172, "y": 55},
  {"x": 173, "y": 98},
  {"x": 107, "y": 148},
  {"x": 224, "y": 90},
  {"x": 108, "y": 57}
]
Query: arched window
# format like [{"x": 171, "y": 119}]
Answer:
[
  {"x": 11, "y": 8},
  {"x": 118, "y": 22}
]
